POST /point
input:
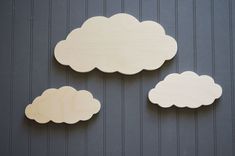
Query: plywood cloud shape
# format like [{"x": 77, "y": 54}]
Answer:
[
  {"x": 63, "y": 105},
  {"x": 185, "y": 90},
  {"x": 117, "y": 44}
]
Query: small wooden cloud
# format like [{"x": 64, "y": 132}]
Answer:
[
  {"x": 63, "y": 105},
  {"x": 117, "y": 44},
  {"x": 185, "y": 90}
]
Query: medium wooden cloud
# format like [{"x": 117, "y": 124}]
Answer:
[
  {"x": 185, "y": 90},
  {"x": 65, "y": 104},
  {"x": 117, "y": 44}
]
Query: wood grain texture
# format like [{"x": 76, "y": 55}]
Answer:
[
  {"x": 119, "y": 43},
  {"x": 63, "y": 105},
  {"x": 186, "y": 89}
]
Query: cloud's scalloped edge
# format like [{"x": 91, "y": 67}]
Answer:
[
  {"x": 174, "y": 105},
  {"x": 116, "y": 71},
  {"x": 33, "y": 119}
]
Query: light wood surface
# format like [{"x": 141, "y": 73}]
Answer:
[
  {"x": 185, "y": 90},
  {"x": 63, "y": 105},
  {"x": 117, "y": 44}
]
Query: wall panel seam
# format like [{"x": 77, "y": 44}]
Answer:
[
  {"x": 213, "y": 75},
  {"x": 30, "y": 68},
  {"x": 232, "y": 72},
  {"x": 195, "y": 69},
  {"x": 49, "y": 69},
  {"x": 12, "y": 51}
]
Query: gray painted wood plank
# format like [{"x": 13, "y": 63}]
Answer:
[
  {"x": 21, "y": 85},
  {"x": 95, "y": 126},
  {"x": 39, "y": 47},
  {"x": 232, "y": 43},
  {"x": 204, "y": 66},
  {"x": 5, "y": 74},
  {"x": 222, "y": 75},
  {"x": 113, "y": 115},
  {"x": 132, "y": 115},
  {"x": 113, "y": 7},
  {"x": 150, "y": 122}
]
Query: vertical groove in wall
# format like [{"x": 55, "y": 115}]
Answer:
[
  {"x": 86, "y": 87},
  {"x": 49, "y": 67},
  {"x": 195, "y": 69},
  {"x": 158, "y": 10},
  {"x": 194, "y": 36},
  {"x": 12, "y": 51},
  {"x": 231, "y": 72},
  {"x": 159, "y": 134},
  {"x": 49, "y": 43},
  {"x": 140, "y": 10},
  {"x": 177, "y": 70},
  {"x": 159, "y": 142},
  {"x": 105, "y": 7},
  {"x": 123, "y": 116},
  {"x": 67, "y": 31},
  {"x": 86, "y": 9},
  {"x": 176, "y": 34},
  {"x": 141, "y": 102},
  {"x": 104, "y": 115},
  {"x": 122, "y": 6},
  {"x": 104, "y": 93},
  {"x": 30, "y": 67},
  {"x": 67, "y": 74},
  {"x": 213, "y": 75}
]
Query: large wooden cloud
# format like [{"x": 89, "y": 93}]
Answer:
[
  {"x": 185, "y": 90},
  {"x": 117, "y": 44},
  {"x": 65, "y": 104}
]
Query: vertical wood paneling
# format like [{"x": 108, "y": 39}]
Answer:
[{"x": 128, "y": 124}]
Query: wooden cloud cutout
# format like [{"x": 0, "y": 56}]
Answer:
[
  {"x": 185, "y": 90},
  {"x": 65, "y": 104},
  {"x": 117, "y": 44}
]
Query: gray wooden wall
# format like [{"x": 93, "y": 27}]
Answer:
[{"x": 128, "y": 125}]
